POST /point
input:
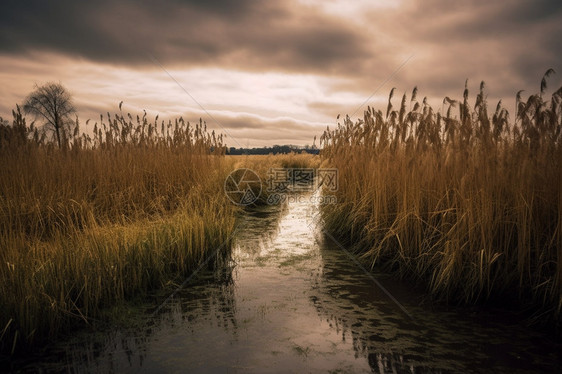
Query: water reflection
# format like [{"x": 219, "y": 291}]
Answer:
[
  {"x": 290, "y": 301},
  {"x": 434, "y": 341}
]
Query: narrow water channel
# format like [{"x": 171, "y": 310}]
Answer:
[{"x": 292, "y": 301}]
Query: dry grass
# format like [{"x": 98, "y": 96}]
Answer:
[
  {"x": 261, "y": 164},
  {"x": 102, "y": 219},
  {"x": 466, "y": 202}
]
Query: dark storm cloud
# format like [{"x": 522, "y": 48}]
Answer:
[
  {"x": 239, "y": 34},
  {"x": 474, "y": 19},
  {"x": 507, "y": 44}
]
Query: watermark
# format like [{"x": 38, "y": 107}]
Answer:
[
  {"x": 282, "y": 198},
  {"x": 282, "y": 180},
  {"x": 282, "y": 185},
  {"x": 243, "y": 186}
]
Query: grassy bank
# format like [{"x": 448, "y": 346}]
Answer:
[
  {"x": 108, "y": 216},
  {"x": 466, "y": 201}
]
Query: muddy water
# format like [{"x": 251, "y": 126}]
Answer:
[{"x": 292, "y": 301}]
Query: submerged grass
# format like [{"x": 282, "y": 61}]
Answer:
[
  {"x": 467, "y": 202},
  {"x": 102, "y": 219}
]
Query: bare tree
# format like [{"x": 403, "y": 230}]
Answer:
[{"x": 52, "y": 103}]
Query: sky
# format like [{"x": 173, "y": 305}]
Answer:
[{"x": 274, "y": 72}]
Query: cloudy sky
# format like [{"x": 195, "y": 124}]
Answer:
[{"x": 273, "y": 72}]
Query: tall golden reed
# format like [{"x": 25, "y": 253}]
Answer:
[
  {"x": 133, "y": 206},
  {"x": 468, "y": 202}
]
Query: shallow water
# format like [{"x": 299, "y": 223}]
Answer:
[{"x": 291, "y": 300}]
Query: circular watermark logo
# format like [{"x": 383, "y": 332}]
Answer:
[{"x": 243, "y": 186}]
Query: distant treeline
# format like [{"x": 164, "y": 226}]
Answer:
[{"x": 276, "y": 149}]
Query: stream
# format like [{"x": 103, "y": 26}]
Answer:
[{"x": 291, "y": 300}]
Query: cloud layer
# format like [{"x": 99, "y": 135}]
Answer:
[
  {"x": 248, "y": 35},
  {"x": 304, "y": 60}
]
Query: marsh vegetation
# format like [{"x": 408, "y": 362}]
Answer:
[
  {"x": 101, "y": 218},
  {"x": 466, "y": 200}
]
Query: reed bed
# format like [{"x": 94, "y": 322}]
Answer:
[
  {"x": 263, "y": 164},
  {"x": 134, "y": 206},
  {"x": 466, "y": 201}
]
